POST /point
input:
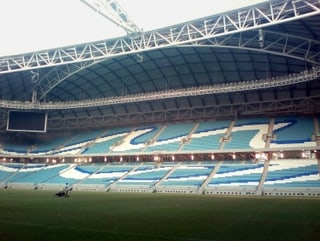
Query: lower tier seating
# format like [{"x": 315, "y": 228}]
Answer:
[{"x": 199, "y": 177}]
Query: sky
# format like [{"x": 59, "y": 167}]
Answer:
[{"x": 33, "y": 25}]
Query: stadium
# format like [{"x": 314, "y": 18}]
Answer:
[
  {"x": 224, "y": 105},
  {"x": 242, "y": 86}
]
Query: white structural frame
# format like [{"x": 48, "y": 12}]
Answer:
[
  {"x": 236, "y": 21},
  {"x": 304, "y": 76},
  {"x": 301, "y": 51},
  {"x": 111, "y": 10}
]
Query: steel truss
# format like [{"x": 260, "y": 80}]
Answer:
[
  {"x": 255, "y": 17},
  {"x": 111, "y": 10},
  {"x": 304, "y": 105},
  {"x": 57, "y": 75},
  {"x": 300, "y": 48},
  {"x": 275, "y": 43},
  {"x": 304, "y": 76},
  {"x": 285, "y": 106}
]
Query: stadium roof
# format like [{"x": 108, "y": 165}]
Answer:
[
  {"x": 257, "y": 60},
  {"x": 56, "y": 23}
]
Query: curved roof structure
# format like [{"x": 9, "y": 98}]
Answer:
[{"x": 257, "y": 60}]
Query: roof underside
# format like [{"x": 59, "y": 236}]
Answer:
[{"x": 181, "y": 67}]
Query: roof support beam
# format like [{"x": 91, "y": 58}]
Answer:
[
  {"x": 210, "y": 110},
  {"x": 56, "y": 76},
  {"x": 305, "y": 76},
  {"x": 111, "y": 10},
  {"x": 304, "y": 49},
  {"x": 275, "y": 43},
  {"x": 251, "y": 18},
  {"x": 295, "y": 105}
]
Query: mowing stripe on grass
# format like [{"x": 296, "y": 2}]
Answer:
[{"x": 162, "y": 237}]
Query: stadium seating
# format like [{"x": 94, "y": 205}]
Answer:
[
  {"x": 297, "y": 132},
  {"x": 8, "y": 170},
  {"x": 210, "y": 177},
  {"x": 188, "y": 175},
  {"x": 145, "y": 175},
  {"x": 50, "y": 145},
  {"x": 240, "y": 135},
  {"x": 270, "y": 177},
  {"x": 294, "y": 173},
  {"x": 237, "y": 175},
  {"x": 170, "y": 138},
  {"x": 207, "y": 136},
  {"x": 15, "y": 148}
]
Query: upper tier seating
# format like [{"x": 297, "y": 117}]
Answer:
[
  {"x": 50, "y": 145},
  {"x": 15, "y": 148},
  {"x": 170, "y": 137},
  {"x": 245, "y": 134},
  {"x": 240, "y": 140},
  {"x": 207, "y": 136},
  {"x": 107, "y": 141},
  {"x": 297, "y": 132},
  {"x": 136, "y": 139}
]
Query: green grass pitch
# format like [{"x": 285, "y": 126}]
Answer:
[{"x": 40, "y": 216}]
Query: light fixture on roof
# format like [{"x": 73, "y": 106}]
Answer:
[
  {"x": 261, "y": 38},
  {"x": 139, "y": 58},
  {"x": 34, "y": 76}
]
